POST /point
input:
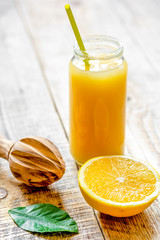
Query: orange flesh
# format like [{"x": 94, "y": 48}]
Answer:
[{"x": 120, "y": 180}]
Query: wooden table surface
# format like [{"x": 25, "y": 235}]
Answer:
[{"x": 35, "y": 48}]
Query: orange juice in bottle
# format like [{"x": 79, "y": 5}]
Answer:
[{"x": 97, "y": 99}]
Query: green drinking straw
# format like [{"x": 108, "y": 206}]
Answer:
[{"x": 76, "y": 33}]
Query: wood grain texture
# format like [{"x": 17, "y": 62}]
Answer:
[
  {"x": 136, "y": 24},
  {"x": 26, "y": 109},
  {"x": 5, "y": 146}
]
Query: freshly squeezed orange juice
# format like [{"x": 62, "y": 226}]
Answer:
[{"x": 97, "y": 100}]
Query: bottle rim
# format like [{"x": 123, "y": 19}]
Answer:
[{"x": 97, "y": 40}]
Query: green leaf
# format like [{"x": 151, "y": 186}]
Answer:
[{"x": 43, "y": 218}]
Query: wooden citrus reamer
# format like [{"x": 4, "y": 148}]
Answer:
[{"x": 35, "y": 161}]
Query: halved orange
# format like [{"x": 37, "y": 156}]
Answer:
[{"x": 120, "y": 186}]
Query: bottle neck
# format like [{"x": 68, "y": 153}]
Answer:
[{"x": 102, "y": 53}]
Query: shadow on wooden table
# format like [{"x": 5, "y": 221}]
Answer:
[
  {"x": 139, "y": 227},
  {"x": 57, "y": 236},
  {"x": 49, "y": 194}
]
